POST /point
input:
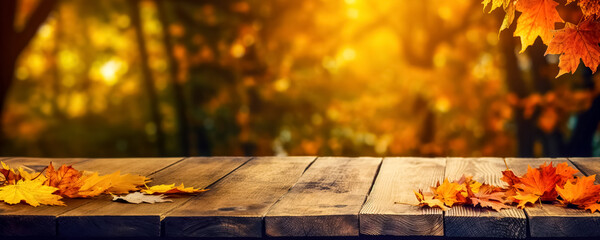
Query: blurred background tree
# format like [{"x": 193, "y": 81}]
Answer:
[{"x": 122, "y": 78}]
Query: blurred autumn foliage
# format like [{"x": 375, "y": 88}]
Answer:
[{"x": 117, "y": 78}]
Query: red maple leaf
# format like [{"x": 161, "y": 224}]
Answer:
[{"x": 575, "y": 42}]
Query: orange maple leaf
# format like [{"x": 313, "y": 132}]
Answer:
[
  {"x": 488, "y": 196},
  {"x": 565, "y": 172},
  {"x": 540, "y": 182},
  {"x": 509, "y": 177},
  {"x": 66, "y": 179},
  {"x": 537, "y": 19},
  {"x": 429, "y": 201},
  {"x": 593, "y": 207},
  {"x": 524, "y": 198},
  {"x": 10, "y": 175},
  {"x": 582, "y": 193},
  {"x": 448, "y": 192},
  {"x": 575, "y": 42}
]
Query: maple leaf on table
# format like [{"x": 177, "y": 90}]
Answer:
[
  {"x": 509, "y": 177},
  {"x": 488, "y": 196},
  {"x": 575, "y": 43},
  {"x": 94, "y": 184},
  {"x": 138, "y": 197},
  {"x": 66, "y": 179},
  {"x": 10, "y": 176},
  {"x": 537, "y": 19},
  {"x": 541, "y": 182},
  {"x": 565, "y": 172},
  {"x": 449, "y": 193},
  {"x": 429, "y": 201},
  {"x": 31, "y": 192},
  {"x": 593, "y": 207},
  {"x": 582, "y": 193},
  {"x": 171, "y": 189}
]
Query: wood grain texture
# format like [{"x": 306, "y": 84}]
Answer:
[
  {"x": 588, "y": 166},
  {"x": 103, "y": 218},
  {"x": 463, "y": 221},
  {"x": 38, "y": 164},
  {"x": 397, "y": 179},
  {"x": 326, "y": 200},
  {"x": 550, "y": 220},
  {"x": 235, "y": 206},
  {"x": 22, "y": 220}
]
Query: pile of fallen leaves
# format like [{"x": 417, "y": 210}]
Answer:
[
  {"x": 50, "y": 185},
  {"x": 546, "y": 183}
]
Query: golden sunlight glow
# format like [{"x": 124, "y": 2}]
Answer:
[
  {"x": 442, "y": 104},
  {"x": 352, "y": 13},
  {"x": 348, "y": 54},
  {"x": 282, "y": 84},
  {"x": 68, "y": 59},
  {"x": 237, "y": 50},
  {"x": 445, "y": 12},
  {"x": 77, "y": 105},
  {"x": 111, "y": 70}
]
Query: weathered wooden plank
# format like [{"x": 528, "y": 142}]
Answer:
[
  {"x": 26, "y": 221},
  {"x": 588, "y": 166},
  {"x": 463, "y": 221},
  {"x": 550, "y": 220},
  {"x": 235, "y": 206},
  {"x": 104, "y": 218},
  {"x": 142, "y": 166},
  {"x": 326, "y": 200},
  {"x": 38, "y": 164},
  {"x": 397, "y": 179}
]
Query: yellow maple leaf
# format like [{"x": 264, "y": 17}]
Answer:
[
  {"x": 126, "y": 183},
  {"x": 171, "y": 189},
  {"x": 32, "y": 192},
  {"x": 34, "y": 176},
  {"x": 94, "y": 184},
  {"x": 525, "y": 198},
  {"x": 447, "y": 192},
  {"x": 429, "y": 201}
]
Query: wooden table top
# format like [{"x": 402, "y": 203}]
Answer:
[{"x": 296, "y": 197}]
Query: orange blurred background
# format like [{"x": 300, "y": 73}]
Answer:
[{"x": 338, "y": 77}]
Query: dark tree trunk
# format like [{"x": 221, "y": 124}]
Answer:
[
  {"x": 524, "y": 127},
  {"x": 580, "y": 144},
  {"x": 148, "y": 79},
  {"x": 12, "y": 44},
  {"x": 552, "y": 142},
  {"x": 178, "y": 92}
]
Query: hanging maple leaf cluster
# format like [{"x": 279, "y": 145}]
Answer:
[
  {"x": 66, "y": 182},
  {"x": 545, "y": 183},
  {"x": 572, "y": 42}
]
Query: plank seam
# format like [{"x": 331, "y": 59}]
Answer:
[
  {"x": 369, "y": 193},
  {"x": 176, "y": 162},
  {"x": 88, "y": 202},
  {"x": 264, "y": 224},
  {"x": 527, "y": 227},
  {"x": 444, "y": 212},
  {"x": 207, "y": 187},
  {"x": 579, "y": 168}
]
